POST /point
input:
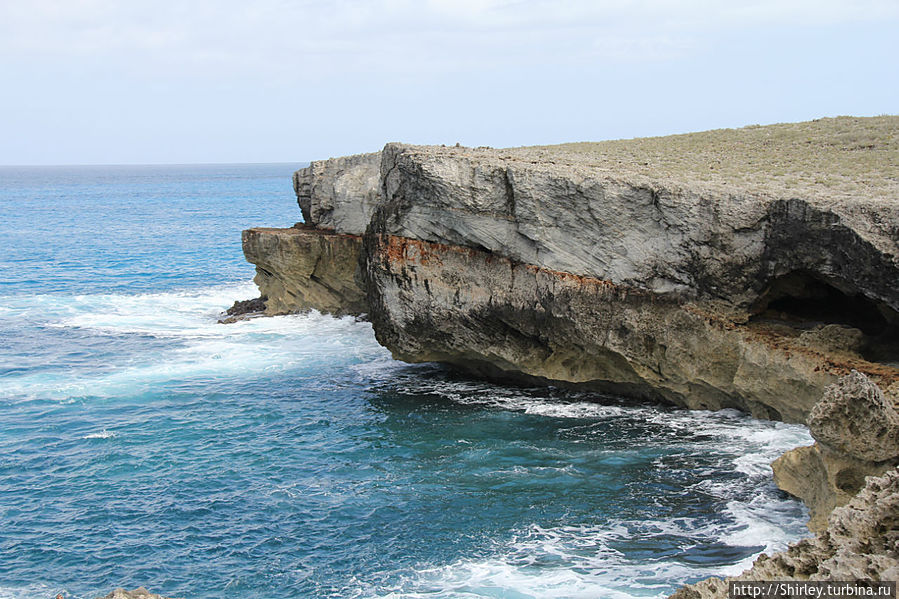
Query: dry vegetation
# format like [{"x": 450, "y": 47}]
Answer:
[{"x": 825, "y": 158}]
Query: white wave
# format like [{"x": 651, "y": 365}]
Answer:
[
  {"x": 588, "y": 566},
  {"x": 173, "y": 314},
  {"x": 762, "y": 520},
  {"x": 104, "y": 434},
  {"x": 573, "y": 410},
  {"x": 198, "y": 347},
  {"x": 29, "y": 591}
]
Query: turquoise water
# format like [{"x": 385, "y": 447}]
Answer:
[{"x": 142, "y": 443}]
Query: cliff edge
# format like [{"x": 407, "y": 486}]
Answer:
[{"x": 745, "y": 268}]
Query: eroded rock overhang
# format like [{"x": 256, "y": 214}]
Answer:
[{"x": 509, "y": 263}]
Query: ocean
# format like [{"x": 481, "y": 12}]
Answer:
[{"x": 143, "y": 443}]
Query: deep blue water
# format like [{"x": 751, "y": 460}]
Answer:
[{"x": 142, "y": 443}]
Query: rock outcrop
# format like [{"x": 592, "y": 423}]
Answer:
[
  {"x": 856, "y": 429},
  {"x": 856, "y": 419},
  {"x": 340, "y": 194},
  {"x": 138, "y": 593},
  {"x": 244, "y": 309},
  {"x": 583, "y": 265},
  {"x": 861, "y": 542},
  {"x": 305, "y": 268}
]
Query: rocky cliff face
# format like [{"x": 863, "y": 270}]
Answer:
[
  {"x": 540, "y": 264},
  {"x": 339, "y": 194},
  {"x": 749, "y": 269},
  {"x": 304, "y": 268}
]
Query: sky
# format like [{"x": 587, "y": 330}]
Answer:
[{"x": 200, "y": 81}]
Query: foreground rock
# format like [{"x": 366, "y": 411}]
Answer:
[
  {"x": 857, "y": 432},
  {"x": 856, "y": 419},
  {"x": 861, "y": 542},
  {"x": 138, "y": 593}
]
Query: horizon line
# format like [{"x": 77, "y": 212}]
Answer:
[{"x": 123, "y": 164}]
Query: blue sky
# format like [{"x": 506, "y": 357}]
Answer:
[{"x": 110, "y": 82}]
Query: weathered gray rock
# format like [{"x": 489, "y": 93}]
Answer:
[
  {"x": 854, "y": 418},
  {"x": 861, "y": 542},
  {"x": 339, "y": 194},
  {"x": 570, "y": 219},
  {"x": 655, "y": 235},
  {"x": 574, "y": 266},
  {"x": 433, "y": 302},
  {"x": 300, "y": 269}
]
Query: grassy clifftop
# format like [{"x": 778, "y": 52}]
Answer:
[{"x": 830, "y": 158}]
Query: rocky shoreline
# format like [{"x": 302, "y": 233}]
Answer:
[
  {"x": 648, "y": 268},
  {"x": 859, "y": 543}
]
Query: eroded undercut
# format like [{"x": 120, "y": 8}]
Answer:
[{"x": 804, "y": 301}]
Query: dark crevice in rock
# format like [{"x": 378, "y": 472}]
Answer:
[
  {"x": 802, "y": 300},
  {"x": 510, "y": 193},
  {"x": 801, "y": 237}
]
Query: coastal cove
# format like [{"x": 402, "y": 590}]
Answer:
[{"x": 143, "y": 443}]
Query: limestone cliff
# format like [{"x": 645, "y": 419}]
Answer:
[
  {"x": 586, "y": 266},
  {"x": 304, "y": 268},
  {"x": 747, "y": 268},
  {"x": 339, "y": 194}
]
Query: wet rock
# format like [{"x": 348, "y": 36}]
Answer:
[
  {"x": 244, "y": 309},
  {"x": 861, "y": 542}
]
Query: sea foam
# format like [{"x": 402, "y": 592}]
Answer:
[{"x": 194, "y": 344}]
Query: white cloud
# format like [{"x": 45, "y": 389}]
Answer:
[
  {"x": 204, "y": 80},
  {"x": 280, "y": 37}
]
